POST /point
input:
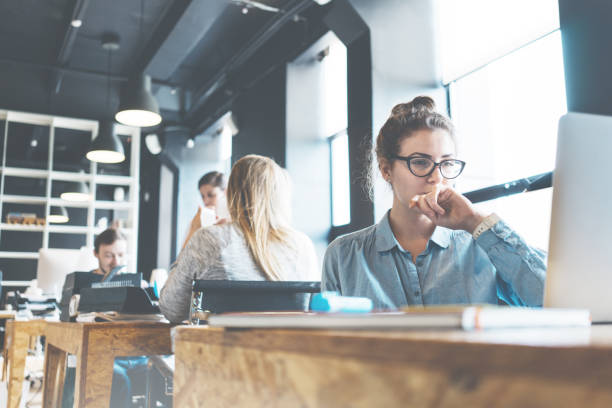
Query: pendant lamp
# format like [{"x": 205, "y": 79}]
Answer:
[
  {"x": 76, "y": 191},
  {"x": 138, "y": 106},
  {"x": 58, "y": 215},
  {"x": 106, "y": 147}
]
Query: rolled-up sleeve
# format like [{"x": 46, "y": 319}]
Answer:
[{"x": 521, "y": 268}]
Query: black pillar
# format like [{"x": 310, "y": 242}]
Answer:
[{"x": 586, "y": 30}]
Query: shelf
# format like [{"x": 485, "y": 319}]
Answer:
[
  {"x": 68, "y": 229},
  {"x": 113, "y": 205},
  {"x": 69, "y": 204},
  {"x": 18, "y": 199},
  {"x": 19, "y": 227},
  {"x": 19, "y": 255},
  {"x": 57, "y": 228},
  {"x": 70, "y": 176},
  {"x": 115, "y": 180},
  {"x": 22, "y": 172}
]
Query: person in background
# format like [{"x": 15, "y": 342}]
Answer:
[
  {"x": 212, "y": 187},
  {"x": 433, "y": 246},
  {"x": 258, "y": 243},
  {"x": 110, "y": 248}
]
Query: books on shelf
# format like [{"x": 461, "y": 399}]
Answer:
[{"x": 460, "y": 317}]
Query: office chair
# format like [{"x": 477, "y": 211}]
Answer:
[{"x": 220, "y": 296}]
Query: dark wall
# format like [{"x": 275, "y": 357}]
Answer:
[
  {"x": 354, "y": 33},
  {"x": 586, "y": 32},
  {"x": 261, "y": 116},
  {"x": 148, "y": 216}
]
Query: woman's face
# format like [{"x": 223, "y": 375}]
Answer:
[
  {"x": 210, "y": 195},
  {"x": 434, "y": 144}
]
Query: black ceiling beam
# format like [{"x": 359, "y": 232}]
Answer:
[
  {"x": 294, "y": 7},
  {"x": 182, "y": 28},
  {"x": 63, "y": 56},
  {"x": 73, "y": 71},
  {"x": 164, "y": 28},
  {"x": 286, "y": 45}
]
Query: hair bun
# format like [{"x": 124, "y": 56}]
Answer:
[{"x": 418, "y": 104}]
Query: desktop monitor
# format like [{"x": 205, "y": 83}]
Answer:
[
  {"x": 54, "y": 264},
  {"x": 579, "y": 273}
]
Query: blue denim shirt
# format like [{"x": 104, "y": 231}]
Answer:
[{"x": 453, "y": 269}]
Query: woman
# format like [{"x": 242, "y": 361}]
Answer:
[
  {"x": 258, "y": 243},
  {"x": 212, "y": 189},
  {"x": 433, "y": 246}
]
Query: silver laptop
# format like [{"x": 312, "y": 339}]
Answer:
[{"x": 579, "y": 273}]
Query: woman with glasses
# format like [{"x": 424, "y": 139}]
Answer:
[{"x": 433, "y": 246}]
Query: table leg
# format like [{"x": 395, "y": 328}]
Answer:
[
  {"x": 94, "y": 376},
  {"x": 53, "y": 385},
  {"x": 17, "y": 351}
]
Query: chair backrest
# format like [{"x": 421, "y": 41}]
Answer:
[{"x": 220, "y": 296}]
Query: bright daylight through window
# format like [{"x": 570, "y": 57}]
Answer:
[{"x": 507, "y": 111}]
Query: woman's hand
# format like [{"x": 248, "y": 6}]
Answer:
[
  {"x": 196, "y": 221},
  {"x": 447, "y": 208},
  {"x": 196, "y": 224},
  {"x": 221, "y": 221}
]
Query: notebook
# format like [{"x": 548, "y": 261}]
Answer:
[{"x": 438, "y": 317}]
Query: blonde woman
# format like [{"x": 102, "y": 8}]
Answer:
[{"x": 259, "y": 243}]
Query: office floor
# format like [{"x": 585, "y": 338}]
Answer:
[{"x": 32, "y": 391}]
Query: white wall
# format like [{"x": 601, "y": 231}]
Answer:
[
  {"x": 207, "y": 155},
  {"x": 313, "y": 114},
  {"x": 404, "y": 64}
]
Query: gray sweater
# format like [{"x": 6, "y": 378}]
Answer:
[{"x": 220, "y": 252}]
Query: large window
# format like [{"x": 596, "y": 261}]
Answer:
[
  {"x": 340, "y": 183},
  {"x": 505, "y": 97},
  {"x": 507, "y": 115}
]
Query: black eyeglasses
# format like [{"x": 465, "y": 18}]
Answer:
[{"x": 422, "y": 166}]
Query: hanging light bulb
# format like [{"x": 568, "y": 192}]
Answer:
[
  {"x": 106, "y": 147},
  {"x": 76, "y": 191},
  {"x": 58, "y": 215},
  {"x": 190, "y": 143},
  {"x": 138, "y": 107}
]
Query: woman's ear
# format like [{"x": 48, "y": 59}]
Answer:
[{"x": 385, "y": 170}]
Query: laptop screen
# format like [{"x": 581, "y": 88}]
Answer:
[{"x": 580, "y": 249}]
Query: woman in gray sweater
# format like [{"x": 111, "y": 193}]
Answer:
[{"x": 258, "y": 244}]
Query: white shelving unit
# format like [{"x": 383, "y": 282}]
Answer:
[{"x": 130, "y": 205}]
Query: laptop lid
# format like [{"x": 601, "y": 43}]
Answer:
[{"x": 579, "y": 273}]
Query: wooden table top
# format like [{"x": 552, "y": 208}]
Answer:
[
  {"x": 124, "y": 335},
  {"x": 448, "y": 368},
  {"x": 596, "y": 336},
  {"x": 582, "y": 349}
]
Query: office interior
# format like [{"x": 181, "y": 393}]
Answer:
[{"x": 306, "y": 82}]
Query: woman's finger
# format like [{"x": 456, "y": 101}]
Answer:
[
  {"x": 425, "y": 208},
  {"x": 432, "y": 199}
]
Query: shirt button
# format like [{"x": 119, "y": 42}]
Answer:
[{"x": 417, "y": 293}]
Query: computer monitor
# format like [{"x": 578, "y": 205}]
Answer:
[
  {"x": 579, "y": 273},
  {"x": 54, "y": 264}
]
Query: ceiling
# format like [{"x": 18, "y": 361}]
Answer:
[{"x": 197, "y": 51}]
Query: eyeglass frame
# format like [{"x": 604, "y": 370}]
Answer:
[{"x": 407, "y": 159}]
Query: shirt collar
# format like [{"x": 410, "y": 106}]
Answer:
[{"x": 385, "y": 240}]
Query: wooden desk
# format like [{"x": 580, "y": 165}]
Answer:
[
  {"x": 96, "y": 345},
  {"x": 17, "y": 342},
  {"x": 503, "y": 368}
]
